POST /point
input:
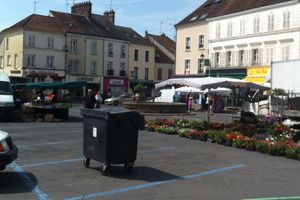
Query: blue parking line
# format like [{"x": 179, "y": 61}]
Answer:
[
  {"x": 48, "y": 143},
  {"x": 52, "y": 162},
  {"x": 27, "y": 180},
  {"x": 147, "y": 185},
  {"x": 81, "y": 158}
]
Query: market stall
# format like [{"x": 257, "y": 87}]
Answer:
[{"x": 47, "y": 100}]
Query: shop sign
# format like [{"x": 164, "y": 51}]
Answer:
[
  {"x": 15, "y": 71},
  {"x": 88, "y": 79},
  {"x": 116, "y": 82},
  {"x": 258, "y": 71},
  {"x": 41, "y": 74}
]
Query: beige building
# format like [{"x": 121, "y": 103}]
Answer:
[{"x": 191, "y": 48}]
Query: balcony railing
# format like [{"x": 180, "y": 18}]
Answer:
[
  {"x": 110, "y": 72},
  {"x": 122, "y": 73}
]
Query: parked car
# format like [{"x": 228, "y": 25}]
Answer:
[
  {"x": 8, "y": 151},
  {"x": 119, "y": 100}
]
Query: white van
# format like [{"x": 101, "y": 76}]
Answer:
[
  {"x": 7, "y": 105},
  {"x": 165, "y": 95}
]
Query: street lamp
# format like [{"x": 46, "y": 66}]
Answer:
[{"x": 202, "y": 61}]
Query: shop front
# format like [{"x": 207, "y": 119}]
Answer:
[
  {"x": 45, "y": 75},
  {"x": 93, "y": 83},
  {"x": 238, "y": 73},
  {"x": 257, "y": 74},
  {"x": 114, "y": 86}
]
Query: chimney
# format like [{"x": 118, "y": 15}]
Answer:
[
  {"x": 110, "y": 16},
  {"x": 84, "y": 8}
]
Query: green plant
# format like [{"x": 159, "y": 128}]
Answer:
[
  {"x": 261, "y": 146},
  {"x": 221, "y": 138},
  {"x": 167, "y": 130},
  {"x": 212, "y": 135},
  {"x": 198, "y": 125},
  {"x": 277, "y": 149},
  {"x": 293, "y": 151},
  {"x": 183, "y": 123},
  {"x": 250, "y": 144},
  {"x": 184, "y": 132},
  {"x": 139, "y": 87}
]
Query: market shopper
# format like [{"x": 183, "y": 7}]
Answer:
[
  {"x": 89, "y": 100},
  {"x": 98, "y": 99}
]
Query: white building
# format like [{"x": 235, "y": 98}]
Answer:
[{"x": 253, "y": 38}]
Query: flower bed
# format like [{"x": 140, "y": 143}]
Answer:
[{"x": 267, "y": 136}]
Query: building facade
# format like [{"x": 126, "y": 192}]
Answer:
[
  {"x": 164, "y": 56},
  {"x": 243, "y": 38},
  {"x": 254, "y": 38}
]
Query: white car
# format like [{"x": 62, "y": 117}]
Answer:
[
  {"x": 119, "y": 100},
  {"x": 8, "y": 151}
]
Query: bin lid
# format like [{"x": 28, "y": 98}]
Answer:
[{"x": 106, "y": 113}]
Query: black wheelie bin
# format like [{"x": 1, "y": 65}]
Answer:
[{"x": 110, "y": 136}]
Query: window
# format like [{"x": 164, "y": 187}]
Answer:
[
  {"x": 8, "y": 62},
  {"x": 256, "y": 24},
  {"x": 242, "y": 27},
  {"x": 229, "y": 29},
  {"x": 123, "y": 52},
  {"x": 218, "y": 31},
  {"x": 50, "y": 61},
  {"x": 50, "y": 43},
  {"x": 269, "y": 55},
  {"x": 187, "y": 43},
  {"x": 136, "y": 55},
  {"x": 94, "y": 48},
  {"x": 31, "y": 40},
  {"x": 217, "y": 59},
  {"x": 146, "y": 56},
  {"x": 110, "y": 50},
  {"x": 271, "y": 22},
  {"x": 187, "y": 66},
  {"x": 286, "y": 19},
  {"x": 242, "y": 58},
  {"x": 228, "y": 58},
  {"x": 73, "y": 66},
  {"x": 285, "y": 52},
  {"x": 1, "y": 61},
  {"x": 135, "y": 73},
  {"x": 74, "y": 46},
  {"x": 30, "y": 61},
  {"x": 109, "y": 65},
  {"x": 255, "y": 56},
  {"x": 122, "y": 66},
  {"x": 201, "y": 41},
  {"x": 7, "y": 43},
  {"x": 93, "y": 68},
  {"x": 146, "y": 73},
  {"x": 16, "y": 61},
  {"x": 170, "y": 73},
  {"x": 159, "y": 74},
  {"x": 200, "y": 65}
]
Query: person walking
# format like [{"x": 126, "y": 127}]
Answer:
[
  {"x": 98, "y": 99},
  {"x": 89, "y": 100}
]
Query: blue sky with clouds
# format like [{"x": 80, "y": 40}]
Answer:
[{"x": 155, "y": 16}]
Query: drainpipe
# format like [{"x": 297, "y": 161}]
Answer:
[{"x": 103, "y": 68}]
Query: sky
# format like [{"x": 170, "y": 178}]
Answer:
[{"x": 155, "y": 16}]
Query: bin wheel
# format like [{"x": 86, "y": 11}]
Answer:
[
  {"x": 104, "y": 169},
  {"x": 128, "y": 167},
  {"x": 86, "y": 162}
]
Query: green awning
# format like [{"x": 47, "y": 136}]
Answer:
[{"x": 51, "y": 85}]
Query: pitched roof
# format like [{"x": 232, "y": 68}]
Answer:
[
  {"x": 165, "y": 41},
  {"x": 161, "y": 57},
  {"x": 216, "y": 8},
  {"x": 37, "y": 22},
  {"x": 134, "y": 37}
]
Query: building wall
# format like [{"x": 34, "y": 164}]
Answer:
[
  {"x": 260, "y": 47},
  {"x": 15, "y": 47},
  {"x": 141, "y": 64},
  {"x": 116, "y": 58},
  {"x": 165, "y": 67},
  {"x": 96, "y": 56},
  {"x": 193, "y": 31}
]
